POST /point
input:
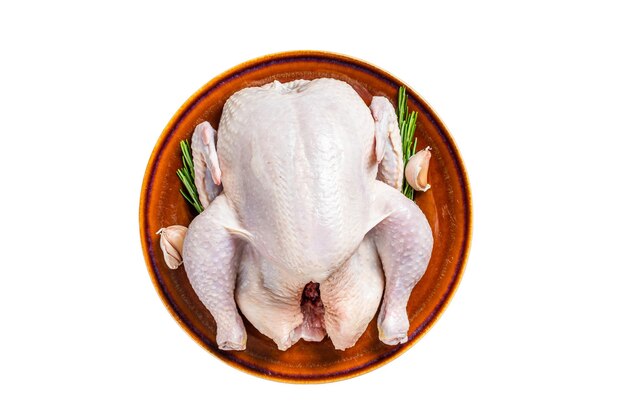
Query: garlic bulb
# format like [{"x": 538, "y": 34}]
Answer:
[
  {"x": 172, "y": 244},
  {"x": 416, "y": 171}
]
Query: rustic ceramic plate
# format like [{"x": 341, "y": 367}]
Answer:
[{"x": 447, "y": 206}]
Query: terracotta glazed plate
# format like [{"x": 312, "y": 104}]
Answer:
[{"x": 447, "y": 206}]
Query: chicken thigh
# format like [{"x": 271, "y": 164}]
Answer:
[{"x": 310, "y": 226}]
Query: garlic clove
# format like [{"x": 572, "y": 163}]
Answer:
[
  {"x": 171, "y": 243},
  {"x": 416, "y": 171}
]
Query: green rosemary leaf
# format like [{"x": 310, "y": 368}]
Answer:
[
  {"x": 187, "y": 158},
  {"x": 407, "y": 123},
  {"x": 184, "y": 194},
  {"x": 187, "y": 176}
]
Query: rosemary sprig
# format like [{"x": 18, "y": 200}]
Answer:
[
  {"x": 187, "y": 177},
  {"x": 407, "y": 123}
]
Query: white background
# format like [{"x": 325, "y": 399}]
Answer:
[{"x": 532, "y": 93}]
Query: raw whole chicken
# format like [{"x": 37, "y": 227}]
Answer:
[{"x": 304, "y": 226}]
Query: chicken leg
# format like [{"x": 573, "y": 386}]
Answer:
[
  {"x": 404, "y": 242},
  {"x": 211, "y": 251}
]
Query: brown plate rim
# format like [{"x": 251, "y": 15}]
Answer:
[{"x": 251, "y": 65}]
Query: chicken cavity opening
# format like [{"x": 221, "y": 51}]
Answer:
[{"x": 312, "y": 328}]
